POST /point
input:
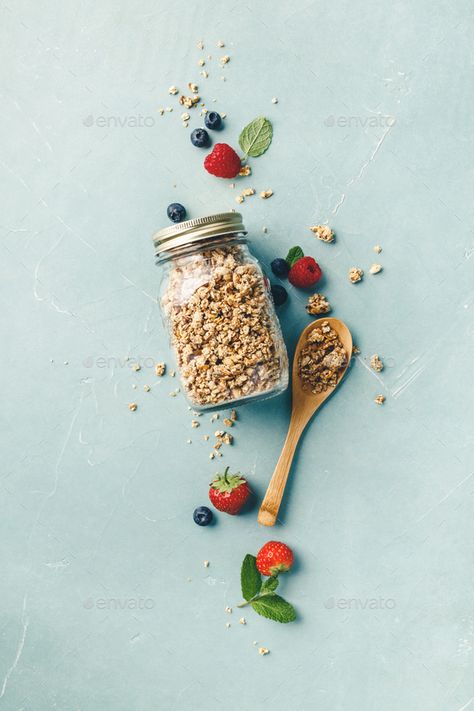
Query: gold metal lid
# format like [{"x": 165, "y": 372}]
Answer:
[{"x": 197, "y": 230}]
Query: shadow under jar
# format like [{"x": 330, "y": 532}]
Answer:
[{"x": 219, "y": 313}]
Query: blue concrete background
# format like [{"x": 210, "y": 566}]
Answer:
[{"x": 106, "y": 603}]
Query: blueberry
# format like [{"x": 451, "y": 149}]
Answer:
[
  {"x": 279, "y": 294},
  {"x": 202, "y": 516},
  {"x": 200, "y": 138},
  {"x": 176, "y": 212},
  {"x": 280, "y": 268},
  {"x": 213, "y": 120}
]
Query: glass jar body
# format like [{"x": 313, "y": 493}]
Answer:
[{"x": 222, "y": 324}]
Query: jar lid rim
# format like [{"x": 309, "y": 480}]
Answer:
[{"x": 197, "y": 229}]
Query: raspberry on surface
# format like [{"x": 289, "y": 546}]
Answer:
[
  {"x": 223, "y": 161},
  {"x": 304, "y": 273}
]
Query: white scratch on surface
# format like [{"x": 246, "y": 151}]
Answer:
[
  {"x": 19, "y": 650},
  {"x": 336, "y": 207},
  {"x": 463, "y": 708},
  {"x": 371, "y": 157}
]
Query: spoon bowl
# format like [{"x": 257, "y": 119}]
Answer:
[{"x": 304, "y": 405}]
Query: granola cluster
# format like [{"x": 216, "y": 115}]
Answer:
[
  {"x": 318, "y": 304},
  {"x": 227, "y": 340},
  {"x": 321, "y": 359}
]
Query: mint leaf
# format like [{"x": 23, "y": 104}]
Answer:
[
  {"x": 275, "y": 608},
  {"x": 256, "y": 137},
  {"x": 250, "y": 577},
  {"x": 293, "y": 255},
  {"x": 269, "y": 586}
]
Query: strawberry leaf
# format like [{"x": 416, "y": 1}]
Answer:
[
  {"x": 250, "y": 579},
  {"x": 275, "y": 608},
  {"x": 293, "y": 255}
]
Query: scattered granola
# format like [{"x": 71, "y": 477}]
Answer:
[
  {"x": 355, "y": 275},
  {"x": 323, "y": 232},
  {"x": 321, "y": 359},
  {"x": 227, "y": 624},
  {"x": 185, "y": 116},
  {"x": 375, "y": 268},
  {"x": 195, "y": 424},
  {"x": 206, "y": 564},
  {"x": 206, "y": 438},
  {"x": 246, "y": 192},
  {"x": 228, "y": 609},
  {"x": 377, "y": 249},
  {"x": 205, "y": 75},
  {"x": 233, "y": 415},
  {"x": 200, "y": 44},
  {"x": 220, "y": 43},
  {"x": 240, "y": 199},
  {"x": 132, "y": 406},
  {"x": 265, "y": 194},
  {"x": 228, "y": 422},
  {"x": 245, "y": 170},
  {"x": 189, "y": 101},
  {"x": 263, "y": 650},
  {"x": 173, "y": 90},
  {"x": 146, "y": 388},
  {"x": 242, "y": 621},
  {"x": 318, "y": 304},
  {"x": 160, "y": 369},
  {"x": 225, "y": 59},
  {"x": 355, "y": 350},
  {"x": 274, "y": 100},
  {"x": 193, "y": 87},
  {"x": 136, "y": 367},
  {"x": 376, "y": 363},
  {"x": 380, "y": 399},
  {"x": 202, "y": 62}
]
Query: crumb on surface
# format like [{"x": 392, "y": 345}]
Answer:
[
  {"x": 375, "y": 268},
  {"x": 200, "y": 44},
  {"x": 146, "y": 388},
  {"x": 206, "y": 438},
  {"x": 136, "y": 367},
  {"x": 355, "y": 275},
  {"x": 265, "y": 194},
  {"x": 323, "y": 232},
  {"x": 245, "y": 170},
  {"x": 274, "y": 100},
  {"x": 205, "y": 75},
  {"x": 173, "y": 90},
  {"x": 195, "y": 423},
  {"x": 228, "y": 609},
  {"x": 202, "y": 62},
  {"x": 263, "y": 650},
  {"x": 380, "y": 399},
  {"x": 228, "y": 422},
  {"x": 246, "y": 192},
  {"x": 233, "y": 415},
  {"x": 160, "y": 369},
  {"x": 264, "y": 230},
  {"x": 193, "y": 87},
  {"x": 240, "y": 199},
  {"x": 377, "y": 249},
  {"x": 355, "y": 350},
  {"x": 132, "y": 406},
  {"x": 376, "y": 363},
  {"x": 317, "y": 304},
  {"x": 206, "y": 564},
  {"x": 242, "y": 621},
  {"x": 225, "y": 59},
  {"x": 189, "y": 441},
  {"x": 227, "y": 624},
  {"x": 212, "y": 455},
  {"x": 220, "y": 43}
]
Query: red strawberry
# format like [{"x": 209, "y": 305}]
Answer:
[
  {"x": 229, "y": 492},
  {"x": 305, "y": 272},
  {"x": 273, "y": 558},
  {"x": 223, "y": 161}
]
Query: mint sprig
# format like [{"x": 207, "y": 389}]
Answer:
[
  {"x": 293, "y": 255},
  {"x": 261, "y": 596},
  {"x": 250, "y": 579},
  {"x": 256, "y": 137}
]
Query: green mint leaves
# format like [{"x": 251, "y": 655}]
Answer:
[
  {"x": 293, "y": 255},
  {"x": 262, "y": 596},
  {"x": 250, "y": 579},
  {"x": 275, "y": 608},
  {"x": 256, "y": 137}
]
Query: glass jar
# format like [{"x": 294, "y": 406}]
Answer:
[{"x": 219, "y": 313}]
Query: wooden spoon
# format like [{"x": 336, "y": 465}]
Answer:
[{"x": 304, "y": 405}]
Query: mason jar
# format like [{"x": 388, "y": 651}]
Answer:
[{"x": 219, "y": 313}]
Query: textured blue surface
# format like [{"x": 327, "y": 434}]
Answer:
[{"x": 373, "y": 133}]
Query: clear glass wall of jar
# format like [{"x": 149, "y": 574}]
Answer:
[{"x": 219, "y": 313}]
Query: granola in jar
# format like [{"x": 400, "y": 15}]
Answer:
[{"x": 222, "y": 324}]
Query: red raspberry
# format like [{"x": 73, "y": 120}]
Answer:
[
  {"x": 305, "y": 272},
  {"x": 273, "y": 558},
  {"x": 223, "y": 161}
]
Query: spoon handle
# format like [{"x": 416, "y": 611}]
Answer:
[{"x": 270, "y": 506}]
